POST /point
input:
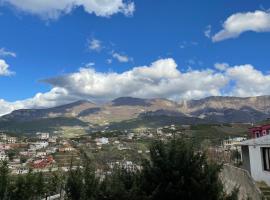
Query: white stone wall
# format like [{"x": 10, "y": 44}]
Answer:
[{"x": 256, "y": 165}]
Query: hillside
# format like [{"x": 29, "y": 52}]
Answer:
[{"x": 132, "y": 112}]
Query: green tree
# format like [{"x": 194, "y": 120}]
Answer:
[
  {"x": 91, "y": 183},
  {"x": 39, "y": 185},
  {"x": 176, "y": 171},
  {"x": 4, "y": 180},
  {"x": 74, "y": 183}
]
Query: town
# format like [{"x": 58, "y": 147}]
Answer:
[{"x": 47, "y": 152}]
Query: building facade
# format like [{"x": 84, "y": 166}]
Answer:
[
  {"x": 256, "y": 158},
  {"x": 259, "y": 131}
]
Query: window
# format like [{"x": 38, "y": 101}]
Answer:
[{"x": 266, "y": 158}]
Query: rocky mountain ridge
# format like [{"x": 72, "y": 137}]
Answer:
[{"x": 212, "y": 109}]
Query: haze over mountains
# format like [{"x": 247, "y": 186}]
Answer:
[{"x": 207, "y": 110}]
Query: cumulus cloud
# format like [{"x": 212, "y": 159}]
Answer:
[
  {"x": 236, "y": 24},
  {"x": 4, "y": 69},
  {"x": 161, "y": 79},
  {"x": 52, "y": 9},
  {"x": 248, "y": 81},
  {"x": 4, "y": 53},
  {"x": 56, "y": 96},
  {"x": 121, "y": 58}
]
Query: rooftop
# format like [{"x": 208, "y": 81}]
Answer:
[{"x": 264, "y": 140}]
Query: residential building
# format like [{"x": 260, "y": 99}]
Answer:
[
  {"x": 259, "y": 131},
  {"x": 43, "y": 136},
  {"x": 11, "y": 140},
  {"x": 233, "y": 143},
  {"x": 126, "y": 165},
  {"x": 4, "y": 146},
  {"x": 101, "y": 141},
  {"x": 256, "y": 158}
]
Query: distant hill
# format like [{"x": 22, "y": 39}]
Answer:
[{"x": 135, "y": 111}]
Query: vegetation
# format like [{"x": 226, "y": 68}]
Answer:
[
  {"x": 174, "y": 171},
  {"x": 33, "y": 126}
]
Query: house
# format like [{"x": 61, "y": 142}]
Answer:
[
  {"x": 101, "y": 141},
  {"x": 121, "y": 147},
  {"x": 41, "y": 153},
  {"x": 256, "y": 158},
  {"x": 259, "y": 131},
  {"x": 11, "y": 140},
  {"x": 42, "y": 163},
  {"x": 4, "y": 146},
  {"x": 43, "y": 136},
  {"x": 66, "y": 148},
  {"x": 126, "y": 165},
  {"x": 39, "y": 145},
  {"x": 233, "y": 143},
  {"x": 53, "y": 139}
]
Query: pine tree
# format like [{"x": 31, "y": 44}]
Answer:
[
  {"x": 4, "y": 180},
  {"x": 74, "y": 184}
]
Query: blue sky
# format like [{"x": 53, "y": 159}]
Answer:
[{"x": 52, "y": 42}]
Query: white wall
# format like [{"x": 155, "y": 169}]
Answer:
[{"x": 256, "y": 164}]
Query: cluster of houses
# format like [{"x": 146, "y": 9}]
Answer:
[{"x": 32, "y": 153}]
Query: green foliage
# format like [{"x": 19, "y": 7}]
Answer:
[
  {"x": 39, "y": 125},
  {"x": 4, "y": 180},
  {"x": 175, "y": 171}
]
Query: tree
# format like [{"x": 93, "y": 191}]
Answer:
[
  {"x": 176, "y": 171},
  {"x": 91, "y": 183},
  {"x": 39, "y": 185},
  {"x": 74, "y": 183},
  {"x": 55, "y": 183},
  {"x": 4, "y": 180}
]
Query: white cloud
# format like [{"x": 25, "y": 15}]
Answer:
[
  {"x": 207, "y": 32},
  {"x": 109, "y": 61},
  {"x": 4, "y": 69},
  {"x": 236, "y": 24},
  {"x": 121, "y": 58},
  {"x": 90, "y": 64},
  {"x": 55, "y": 97},
  {"x": 94, "y": 44},
  {"x": 52, "y": 9},
  {"x": 221, "y": 66},
  {"x": 161, "y": 79},
  {"x": 4, "y": 53},
  {"x": 248, "y": 81}
]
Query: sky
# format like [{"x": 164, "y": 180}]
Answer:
[{"x": 56, "y": 52}]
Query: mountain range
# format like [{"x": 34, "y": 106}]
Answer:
[{"x": 126, "y": 109}]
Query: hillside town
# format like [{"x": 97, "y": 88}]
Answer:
[{"x": 46, "y": 152}]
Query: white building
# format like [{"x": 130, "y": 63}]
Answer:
[
  {"x": 43, "y": 136},
  {"x": 11, "y": 140},
  {"x": 233, "y": 143},
  {"x": 126, "y": 165},
  {"x": 101, "y": 141},
  {"x": 39, "y": 145},
  {"x": 256, "y": 158}
]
